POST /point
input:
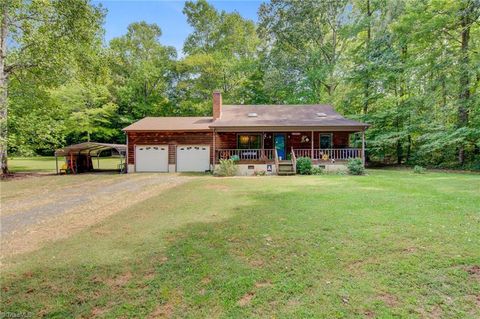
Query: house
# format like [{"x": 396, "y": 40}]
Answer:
[{"x": 261, "y": 137}]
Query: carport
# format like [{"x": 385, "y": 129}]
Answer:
[{"x": 79, "y": 157}]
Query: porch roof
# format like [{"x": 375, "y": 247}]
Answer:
[{"x": 278, "y": 117}]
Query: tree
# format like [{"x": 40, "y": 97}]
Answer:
[
  {"x": 305, "y": 42},
  {"x": 142, "y": 71},
  {"x": 221, "y": 53},
  {"x": 44, "y": 38}
]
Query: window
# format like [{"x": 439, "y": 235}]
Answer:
[
  {"x": 249, "y": 141},
  {"x": 326, "y": 141}
]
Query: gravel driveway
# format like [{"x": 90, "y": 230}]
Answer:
[{"x": 44, "y": 212}]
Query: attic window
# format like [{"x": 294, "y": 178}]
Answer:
[
  {"x": 252, "y": 114},
  {"x": 321, "y": 115}
]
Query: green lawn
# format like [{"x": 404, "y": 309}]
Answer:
[
  {"x": 46, "y": 164},
  {"x": 390, "y": 244}
]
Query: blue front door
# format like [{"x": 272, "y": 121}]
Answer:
[{"x": 280, "y": 145}]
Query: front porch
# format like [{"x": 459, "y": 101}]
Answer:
[{"x": 274, "y": 149}]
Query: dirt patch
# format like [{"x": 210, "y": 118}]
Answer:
[
  {"x": 263, "y": 284},
  {"x": 410, "y": 250},
  {"x": 120, "y": 281},
  {"x": 206, "y": 280},
  {"x": 369, "y": 314},
  {"x": 13, "y": 176},
  {"x": 246, "y": 299},
  {"x": 474, "y": 272},
  {"x": 162, "y": 311},
  {"x": 97, "y": 312},
  {"x": 257, "y": 263},
  {"x": 389, "y": 299},
  {"x": 31, "y": 222}
]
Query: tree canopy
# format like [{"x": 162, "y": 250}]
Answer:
[{"x": 409, "y": 68}]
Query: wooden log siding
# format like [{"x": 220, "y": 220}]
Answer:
[{"x": 172, "y": 139}]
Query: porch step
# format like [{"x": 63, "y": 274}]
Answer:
[{"x": 285, "y": 168}]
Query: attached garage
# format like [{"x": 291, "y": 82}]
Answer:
[
  {"x": 151, "y": 158},
  {"x": 193, "y": 158}
]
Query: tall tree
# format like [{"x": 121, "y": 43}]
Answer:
[
  {"x": 221, "y": 53},
  {"x": 42, "y": 37},
  {"x": 142, "y": 70}
]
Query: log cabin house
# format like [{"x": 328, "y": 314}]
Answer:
[{"x": 260, "y": 137}]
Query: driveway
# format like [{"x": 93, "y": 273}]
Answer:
[{"x": 41, "y": 209}]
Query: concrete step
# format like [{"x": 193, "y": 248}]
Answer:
[{"x": 286, "y": 173}]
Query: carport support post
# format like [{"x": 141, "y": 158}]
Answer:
[{"x": 56, "y": 163}]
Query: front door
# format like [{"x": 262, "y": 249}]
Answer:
[{"x": 280, "y": 145}]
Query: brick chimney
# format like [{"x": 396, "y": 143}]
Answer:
[{"x": 217, "y": 104}]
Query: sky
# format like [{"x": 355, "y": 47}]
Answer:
[{"x": 167, "y": 14}]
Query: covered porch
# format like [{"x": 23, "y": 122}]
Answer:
[{"x": 269, "y": 147}]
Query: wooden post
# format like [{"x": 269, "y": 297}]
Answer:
[
  {"x": 56, "y": 162},
  {"x": 363, "y": 147},
  {"x": 214, "y": 149},
  {"x": 311, "y": 143}
]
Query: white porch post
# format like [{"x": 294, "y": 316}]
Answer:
[
  {"x": 311, "y": 148},
  {"x": 363, "y": 147}
]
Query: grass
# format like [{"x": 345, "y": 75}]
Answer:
[
  {"x": 46, "y": 164},
  {"x": 390, "y": 244}
]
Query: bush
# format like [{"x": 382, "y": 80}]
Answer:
[
  {"x": 260, "y": 173},
  {"x": 417, "y": 169},
  {"x": 355, "y": 166},
  {"x": 304, "y": 166},
  {"x": 227, "y": 167},
  {"x": 316, "y": 171}
]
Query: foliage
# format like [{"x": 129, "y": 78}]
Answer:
[
  {"x": 355, "y": 166},
  {"x": 304, "y": 165},
  {"x": 317, "y": 171},
  {"x": 375, "y": 60},
  {"x": 260, "y": 173},
  {"x": 417, "y": 169},
  {"x": 226, "y": 167}
]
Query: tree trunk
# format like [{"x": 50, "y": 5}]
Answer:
[
  {"x": 3, "y": 92},
  {"x": 366, "y": 101},
  {"x": 464, "y": 96}
]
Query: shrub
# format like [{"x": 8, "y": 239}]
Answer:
[
  {"x": 304, "y": 165},
  {"x": 417, "y": 169},
  {"x": 260, "y": 173},
  {"x": 227, "y": 167},
  {"x": 316, "y": 171},
  {"x": 355, "y": 166}
]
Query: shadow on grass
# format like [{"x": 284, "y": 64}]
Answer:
[{"x": 276, "y": 252}]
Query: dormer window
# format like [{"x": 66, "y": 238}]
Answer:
[
  {"x": 320, "y": 114},
  {"x": 252, "y": 114}
]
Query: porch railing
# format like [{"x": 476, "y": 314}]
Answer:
[
  {"x": 246, "y": 154},
  {"x": 338, "y": 154}
]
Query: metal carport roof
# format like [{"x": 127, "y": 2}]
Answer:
[{"x": 90, "y": 148}]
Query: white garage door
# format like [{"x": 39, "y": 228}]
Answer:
[
  {"x": 193, "y": 158},
  {"x": 151, "y": 158}
]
